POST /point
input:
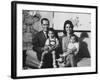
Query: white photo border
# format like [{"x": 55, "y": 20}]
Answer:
[{"x": 16, "y": 61}]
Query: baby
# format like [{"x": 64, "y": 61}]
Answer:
[{"x": 72, "y": 49}]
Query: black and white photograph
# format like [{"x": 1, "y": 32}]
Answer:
[
  {"x": 38, "y": 40},
  {"x": 53, "y": 39}
]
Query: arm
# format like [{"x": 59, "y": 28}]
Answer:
[
  {"x": 46, "y": 47},
  {"x": 77, "y": 48},
  {"x": 57, "y": 43},
  {"x": 64, "y": 48},
  {"x": 35, "y": 43},
  {"x": 66, "y": 53},
  {"x": 69, "y": 51},
  {"x": 54, "y": 59}
]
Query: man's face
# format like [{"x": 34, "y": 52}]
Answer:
[{"x": 45, "y": 25}]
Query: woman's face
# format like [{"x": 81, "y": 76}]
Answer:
[{"x": 68, "y": 28}]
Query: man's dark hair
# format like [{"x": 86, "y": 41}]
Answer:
[{"x": 45, "y": 20}]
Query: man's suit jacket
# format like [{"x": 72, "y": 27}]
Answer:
[{"x": 39, "y": 43}]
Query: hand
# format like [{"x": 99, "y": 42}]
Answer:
[
  {"x": 50, "y": 48},
  {"x": 65, "y": 50},
  {"x": 42, "y": 49},
  {"x": 46, "y": 47},
  {"x": 54, "y": 65},
  {"x": 60, "y": 55},
  {"x": 59, "y": 60},
  {"x": 40, "y": 65}
]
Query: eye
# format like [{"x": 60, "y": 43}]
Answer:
[{"x": 67, "y": 27}]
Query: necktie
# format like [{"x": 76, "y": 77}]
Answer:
[{"x": 45, "y": 33}]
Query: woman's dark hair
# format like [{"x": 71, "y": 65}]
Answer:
[{"x": 68, "y": 22}]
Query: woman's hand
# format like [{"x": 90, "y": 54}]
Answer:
[
  {"x": 65, "y": 50},
  {"x": 69, "y": 51}
]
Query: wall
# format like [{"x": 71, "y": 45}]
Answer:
[
  {"x": 32, "y": 23},
  {"x": 81, "y": 21}
]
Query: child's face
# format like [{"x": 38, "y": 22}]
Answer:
[
  {"x": 50, "y": 34},
  {"x": 72, "y": 39}
]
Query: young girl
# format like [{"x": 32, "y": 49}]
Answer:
[
  {"x": 51, "y": 45},
  {"x": 71, "y": 51}
]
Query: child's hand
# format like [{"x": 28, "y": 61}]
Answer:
[
  {"x": 50, "y": 48},
  {"x": 59, "y": 60},
  {"x": 46, "y": 47},
  {"x": 54, "y": 66},
  {"x": 60, "y": 55}
]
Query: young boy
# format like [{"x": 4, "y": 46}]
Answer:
[{"x": 50, "y": 48}]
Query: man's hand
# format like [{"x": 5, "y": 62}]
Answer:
[
  {"x": 42, "y": 49},
  {"x": 45, "y": 48}
]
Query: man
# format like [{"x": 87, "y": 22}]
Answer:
[{"x": 40, "y": 38}]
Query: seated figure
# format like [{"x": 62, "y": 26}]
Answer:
[{"x": 68, "y": 56}]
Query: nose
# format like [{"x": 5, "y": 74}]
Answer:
[{"x": 68, "y": 28}]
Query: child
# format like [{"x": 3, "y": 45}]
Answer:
[
  {"x": 71, "y": 51},
  {"x": 51, "y": 45}
]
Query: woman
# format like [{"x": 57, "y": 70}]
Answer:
[{"x": 68, "y": 32}]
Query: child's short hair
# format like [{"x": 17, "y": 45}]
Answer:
[
  {"x": 76, "y": 38},
  {"x": 45, "y": 20},
  {"x": 54, "y": 32},
  {"x": 51, "y": 29}
]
